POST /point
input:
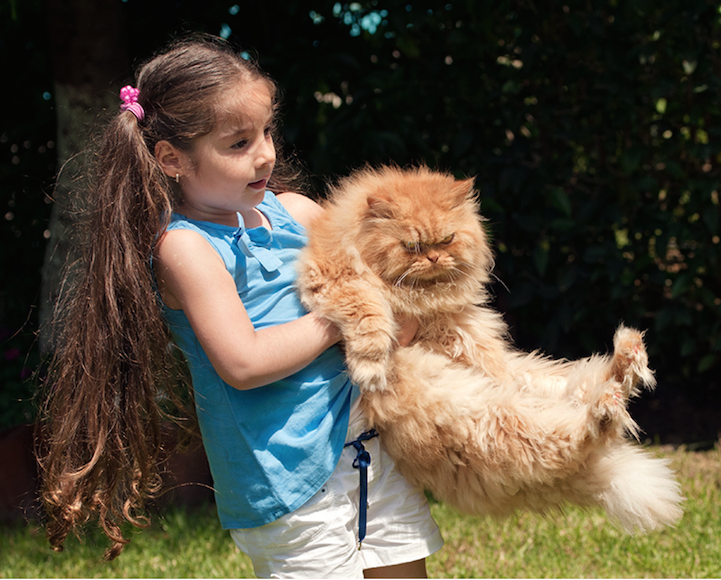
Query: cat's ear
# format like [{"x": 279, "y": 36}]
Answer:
[
  {"x": 464, "y": 190},
  {"x": 379, "y": 207}
]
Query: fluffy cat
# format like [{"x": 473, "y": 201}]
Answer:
[{"x": 483, "y": 426}]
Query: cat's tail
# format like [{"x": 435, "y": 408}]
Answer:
[{"x": 642, "y": 494}]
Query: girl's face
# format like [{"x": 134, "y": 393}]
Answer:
[{"x": 228, "y": 169}]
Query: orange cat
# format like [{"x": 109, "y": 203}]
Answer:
[{"x": 485, "y": 427}]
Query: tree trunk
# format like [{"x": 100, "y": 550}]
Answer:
[{"x": 90, "y": 61}]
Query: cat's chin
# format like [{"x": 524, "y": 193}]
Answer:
[{"x": 426, "y": 281}]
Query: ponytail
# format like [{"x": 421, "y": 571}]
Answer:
[{"x": 114, "y": 366}]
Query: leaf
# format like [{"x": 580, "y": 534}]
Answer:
[
  {"x": 566, "y": 277},
  {"x": 594, "y": 254},
  {"x": 561, "y": 201},
  {"x": 510, "y": 87},
  {"x": 540, "y": 256},
  {"x": 631, "y": 159},
  {"x": 706, "y": 363},
  {"x": 521, "y": 295},
  {"x": 463, "y": 141},
  {"x": 710, "y": 217},
  {"x": 681, "y": 285},
  {"x": 408, "y": 46},
  {"x": 664, "y": 319},
  {"x": 688, "y": 346}
]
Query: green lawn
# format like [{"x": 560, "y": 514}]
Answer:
[{"x": 574, "y": 544}]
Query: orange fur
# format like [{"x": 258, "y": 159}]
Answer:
[{"x": 485, "y": 427}]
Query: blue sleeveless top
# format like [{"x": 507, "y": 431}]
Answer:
[{"x": 270, "y": 448}]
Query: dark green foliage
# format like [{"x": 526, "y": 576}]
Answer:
[
  {"x": 592, "y": 127},
  {"x": 27, "y": 165}
]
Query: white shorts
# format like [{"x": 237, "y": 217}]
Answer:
[{"x": 320, "y": 539}]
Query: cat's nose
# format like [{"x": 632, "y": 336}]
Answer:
[{"x": 433, "y": 257}]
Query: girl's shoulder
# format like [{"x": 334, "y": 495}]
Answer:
[
  {"x": 184, "y": 253},
  {"x": 303, "y": 209},
  {"x": 188, "y": 243}
]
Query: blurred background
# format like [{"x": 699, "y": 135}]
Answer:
[{"x": 592, "y": 128}]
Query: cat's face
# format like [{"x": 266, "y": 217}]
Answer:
[{"x": 421, "y": 228}]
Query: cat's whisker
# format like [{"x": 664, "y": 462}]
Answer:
[
  {"x": 458, "y": 274},
  {"x": 414, "y": 281},
  {"x": 501, "y": 281},
  {"x": 401, "y": 278}
]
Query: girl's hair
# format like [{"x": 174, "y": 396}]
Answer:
[{"x": 114, "y": 372}]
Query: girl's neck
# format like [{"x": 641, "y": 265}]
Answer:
[
  {"x": 255, "y": 218},
  {"x": 252, "y": 217}
]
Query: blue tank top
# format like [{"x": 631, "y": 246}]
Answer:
[{"x": 270, "y": 448}]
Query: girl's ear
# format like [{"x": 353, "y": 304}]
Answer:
[{"x": 170, "y": 158}]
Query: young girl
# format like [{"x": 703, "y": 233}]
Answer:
[{"x": 186, "y": 234}]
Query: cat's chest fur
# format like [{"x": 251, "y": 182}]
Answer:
[{"x": 440, "y": 298}]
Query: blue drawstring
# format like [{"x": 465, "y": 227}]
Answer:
[{"x": 361, "y": 463}]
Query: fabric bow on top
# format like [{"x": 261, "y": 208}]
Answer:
[{"x": 254, "y": 244}]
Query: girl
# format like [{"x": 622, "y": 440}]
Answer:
[{"x": 185, "y": 234}]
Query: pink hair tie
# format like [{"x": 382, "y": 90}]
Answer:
[{"x": 129, "y": 95}]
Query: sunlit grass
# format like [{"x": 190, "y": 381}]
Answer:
[
  {"x": 180, "y": 544},
  {"x": 575, "y": 544},
  {"x": 584, "y": 544}
]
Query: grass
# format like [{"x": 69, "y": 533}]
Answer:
[
  {"x": 180, "y": 544},
  {"x": 575, "y": 544}
]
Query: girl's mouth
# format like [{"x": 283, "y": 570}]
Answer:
[{"x": 260, "y": 184}]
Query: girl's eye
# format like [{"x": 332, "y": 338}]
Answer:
[
  {"x": 447, "y": 240},
  {"x": 240, "y": 144},
  {"x": 268, "y": 132}
]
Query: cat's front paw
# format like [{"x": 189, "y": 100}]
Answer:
[
  {"x": 369, "y": 349},
  {"x": 629, "y": 366},
  {"x": 371, "y": 376},
  {"x": 311, "y": 288}
]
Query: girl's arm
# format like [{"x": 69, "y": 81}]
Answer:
[{"x": 192, "y": 277}]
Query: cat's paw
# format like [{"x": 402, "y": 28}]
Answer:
[
  {"x": 628, "y": 372},
  {"x": 311, "y": 287},
  {"x": 629, "y": 366},
  {"x": 371, "y": 376},
  {"x": 369, "y": 349},
  {"x": 372, "y": 336},
  {"x": 609, "y": 413}
]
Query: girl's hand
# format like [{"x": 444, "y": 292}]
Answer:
[{"x": 408, "y": 328}]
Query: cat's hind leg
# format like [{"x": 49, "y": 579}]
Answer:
[
  {"x": 629, "y": 366},
  {"x": 606, "y": 383}
]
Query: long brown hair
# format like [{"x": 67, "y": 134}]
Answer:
[{"x": 113, "y": 372}]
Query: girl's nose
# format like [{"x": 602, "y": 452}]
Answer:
[{"x": 266, "y": 152}]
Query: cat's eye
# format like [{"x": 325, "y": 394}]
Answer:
[
  {"x": 447, "y": 240},
  {"x": 410, "y": 246}
]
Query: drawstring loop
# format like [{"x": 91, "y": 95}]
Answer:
[{"x": 361, "y": 463}]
